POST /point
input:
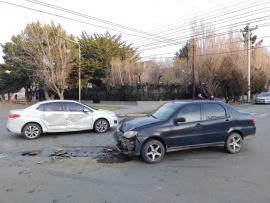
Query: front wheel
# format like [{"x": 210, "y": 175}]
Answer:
[
  {"x": 234, "y": 143},
  {"x": 152, "y": 151},
  {"x": 101, "y": 126},
  {"x": 31, "y": 131}
]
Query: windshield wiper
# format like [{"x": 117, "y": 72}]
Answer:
[{"x": 153, "y": 116}]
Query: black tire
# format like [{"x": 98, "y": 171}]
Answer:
[
  {"x": 152, "y": 151},
  {"x": 101, "y": 126},
  {"x": 31, "y": 131},
  {"x": 234, "y": 143}
]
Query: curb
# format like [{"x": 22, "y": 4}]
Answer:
[{"x": 131, "y": 115}]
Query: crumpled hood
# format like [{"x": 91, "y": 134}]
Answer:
[{"x": 133, "y": 123}]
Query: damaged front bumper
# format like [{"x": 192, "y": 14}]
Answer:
[{"x": 126, "y": 146}]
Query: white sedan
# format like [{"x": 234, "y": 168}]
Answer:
[
  {"x": 59, "y": 116},
  {"x": 263, "y": 98}
]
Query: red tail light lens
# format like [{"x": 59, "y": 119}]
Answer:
[
  {"x": 253, "y": 119},
  {"x": 13, "y": 116}
]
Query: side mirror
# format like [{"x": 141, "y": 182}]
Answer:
[
  {"x": 179, "y": 120},
  {"x": 85, "y": 110}
]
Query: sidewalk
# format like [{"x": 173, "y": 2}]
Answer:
[
  {"x": 125, "y": 111},
  {"x": 129, "y": 110}
]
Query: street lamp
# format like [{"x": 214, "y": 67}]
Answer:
[{"x": 79, "y": 63}]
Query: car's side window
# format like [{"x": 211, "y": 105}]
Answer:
[
  {"x": 40, "y": 107},
  {"x": 214, "y": 111},
  {"x": 73, "y": 107},
  {"x": 190, "y": 112},
  {"x": 55, "y": 106}
]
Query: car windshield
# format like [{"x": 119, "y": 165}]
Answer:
[
  {"x": 266, "y": 94},
  {"x": 93, "y": 107},
  {"x": 164, "y": 111}
]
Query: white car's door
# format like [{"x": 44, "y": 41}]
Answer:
[
  {"x": 77, "y": 118},
  {"x": 53, "y": 116}
]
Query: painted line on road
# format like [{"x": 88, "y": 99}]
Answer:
[{"x": 262, "y": 115}]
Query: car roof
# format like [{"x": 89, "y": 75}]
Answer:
[
  {"x": 205, "y": 101},
  {"x": 196, "y": 101},
  {"x": 57, "y": 100}
]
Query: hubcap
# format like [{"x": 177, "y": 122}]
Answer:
[
  {"x": 154, "y": 152},
  {"x": 102, "y": 126},
  {"x": 235, "y": 144},
  {"x": 31, "y": 131}
]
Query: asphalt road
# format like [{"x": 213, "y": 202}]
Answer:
[{"x": 201, "y": 175}]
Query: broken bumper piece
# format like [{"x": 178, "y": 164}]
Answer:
[{"x": 127, "y": 146}]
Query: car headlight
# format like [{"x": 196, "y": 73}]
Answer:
[
  {"x": 112, "y": 114},
  {"x": 130, "y": 134}
]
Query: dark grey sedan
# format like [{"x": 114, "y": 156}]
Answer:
[{"x": 184, "y": 125}]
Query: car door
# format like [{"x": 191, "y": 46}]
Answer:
[
  {"x": 76, "y": 116},
  {"x": 52, "y": 115},
  {"x": 190, "y": 132},
  {"x": 218, "y": 121}
]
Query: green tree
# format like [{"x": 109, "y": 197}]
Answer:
[
  {"x": 98, "y": 50},
  {"x": 11, "y": 79},
  {"x": 14, "y": 75},
  {"x": 183, "y": 52}
]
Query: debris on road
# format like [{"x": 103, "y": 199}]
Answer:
[
  {"x": 30, "y": 153},
  {"x": 102, "y": 154}
]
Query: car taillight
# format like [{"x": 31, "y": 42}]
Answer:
[
  {"x": 13, "y": 116},
  {"x": 253, "y": 119}
]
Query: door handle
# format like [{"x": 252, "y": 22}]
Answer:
[{"x": 198, "y": 125}]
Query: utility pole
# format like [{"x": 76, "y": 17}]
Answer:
[
  {"x": 247, "y": 36},
  {"x": 193, "y": 75}
]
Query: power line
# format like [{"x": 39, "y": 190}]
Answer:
[
  {"x": 182, "y": 42},
  {"x": 123, "y": 27},
  {"x": 217, "y": 21},
  {"x": 94, "y": 18},
  {"x": 207, "y": 11},
  {"x": 168, "y": 41},
  {"x": 76, "y": 13},
  {"x": 186, "y": 38},
  {"x": 210, "y": 46},
  {"x": 211, "y": 17},
  {"x": 199, "y": 55},
  {"x": 72, "y": 19}
]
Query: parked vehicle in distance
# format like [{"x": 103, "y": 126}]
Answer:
[
  {"x": 59, "y": 116},
  {"x": 263, "y": 98},
  {"x": 184, "y": 125}
]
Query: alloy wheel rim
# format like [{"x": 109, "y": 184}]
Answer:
[
  {"x": 102, "y": 126},
  {"x": 154, "y": 152},
  {"x": 32, "y": 131},
  {"x": 235, "y": 143}
]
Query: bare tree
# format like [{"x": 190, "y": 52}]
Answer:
[
  {"x": 123, "y": 72},
  {"x": 50, "y": 56}
]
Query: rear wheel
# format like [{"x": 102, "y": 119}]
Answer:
[
  {"x": 101, "y": 126},
  {"x": 152, "y": 151},
  {"x": 31, "y": 131},
  {"x": 234, "y": 143}
]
